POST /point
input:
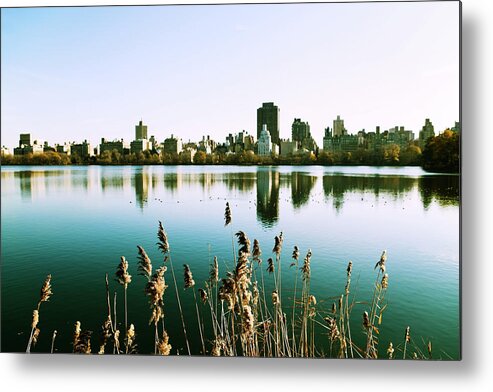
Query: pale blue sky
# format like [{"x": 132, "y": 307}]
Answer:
[{"x": 70, "y": 74}]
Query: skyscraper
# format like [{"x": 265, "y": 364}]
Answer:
[
  {"x": 338, "y": 128},
  {"x": 300, "y": 130},
  {"x": 264, "y": 142},
  {"x": 25, "y": 139},
  {"x": 268, "y": 114},
  {"x": 426, "y": 132},
  {"x": 140, "y": 131}
]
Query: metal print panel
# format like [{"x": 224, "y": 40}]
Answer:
[{"x": 261, "y": 180}]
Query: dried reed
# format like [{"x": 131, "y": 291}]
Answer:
[{"x": 44, "y": 296}]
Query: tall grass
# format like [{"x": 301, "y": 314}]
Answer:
[{"x": 249, "y": 313}]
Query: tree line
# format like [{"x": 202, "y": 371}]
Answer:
[{"x": 441, "y": 153}]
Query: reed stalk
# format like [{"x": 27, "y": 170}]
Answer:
[
  {"x": 190, "y": 283},
  {"x": 53, "y": 337},
  {"x": 124, "y": 279},
  {"x": 165, "y": 249},
  {"x": 44, "y": 296}
]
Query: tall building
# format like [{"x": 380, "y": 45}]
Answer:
[
  {"x": 140, "y": 131},
  {"x": 287, "y": 148},
  {"x": 264, "y": 142},
  {"x": 83, "y": 149},
  {"x": 338, "y": 127},
  {"x": 140, "y": 145},
  {"x": 300, "y": 130},
  {"x": 107, "y": 145},
  {"x": 268, "y": 114},
  {"x": 25, "y": 146},
  {"x": 426, "y": 132},
  {"x": 172, "y": 145},
  {"x": 25, "y": 139}
]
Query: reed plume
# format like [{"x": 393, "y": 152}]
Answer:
[
  {"x": 228, "y": 290},
  {"x": 165, "y": 249},
  {"x": 123, "y": 278},
  {"x": 305, "y": 269},
  {"x": 145, "y": 265},
  {"x": 278, "y": 244},
  {"x": 242, "y": 272},
  {"x": 188, "y": 277},
  {"x": 189, "y": 282},
  {"x": 203, "y": 296},
  {"x": 36, "y": 335},
  {"x": 163, "y": 346},
  {"x": 116, "y": 340},
  {"x": 122, "y": 275},
  {"x": 46, "y": 292},
  {"x": 77, "y": 332},
  {"x": 105, "y": 335},
  {"x": 163, "y": 243},
  {"x": 270, "y": 266},
  {"x": 244, "y": 243},
  {"x": 35, "y": 321},
  {"x": 333, "y": 329},
  {"x": 248, "y": 323},
  {"x": 214, "y": 272},
  {"x": 381, "y": 262},
  {"x": 295, "y": 256},
  {"x": 296, "y": 253},
  {"x": 255, "y": 293},
  {"x": 130, "y": 346},
  {"x": 385, "y": 281},
  {"x": 346, "y": 313},
  {"x": 82, "y": 340},
  {"x": 366, "y": 320},
  {"x": 216, "y": 348},
  {"x": 390, "y": 350},
  {"x": 407, "y": 339},
  {"x": 156, "y": 286},
  {"x": 154, "y": 289},
  {"x": 227, "y": 215},
  {"x": 275, "y": 297},
  {"x": 44, "y": 296},
  {"x": 257, "y": 252}
]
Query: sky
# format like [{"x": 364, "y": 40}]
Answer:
[{"x": 73, "y": 73}]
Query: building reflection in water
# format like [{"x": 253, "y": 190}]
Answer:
[
  {"x": 336, "y": 186},
  {"x": 443, "y": 189},
  {"x": 301, "y": 187},
  {"x": 26, "y": 184},
  {"x": 268, "y": 182},
  {"x": 141, "y": 182}
]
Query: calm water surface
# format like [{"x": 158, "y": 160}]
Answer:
[{"x": 76, "y": 222}]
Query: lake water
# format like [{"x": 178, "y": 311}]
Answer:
[{"x": 76, "y": 222}]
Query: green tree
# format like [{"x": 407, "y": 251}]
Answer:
[
  {"x": 410, "y": 156},
  {"x": 391, "y": 154},
  {"x": 442, "y": 153},
  {"x": 200, "y": 158}
]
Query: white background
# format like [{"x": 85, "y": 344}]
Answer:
[{"x": 78, "y": 373}]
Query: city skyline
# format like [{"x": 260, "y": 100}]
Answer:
[
  {"x": 210, "y": 68},
  {"x": 141, "y": 134}
]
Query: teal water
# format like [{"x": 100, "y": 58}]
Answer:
[{"x": 76, "y": 222}]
